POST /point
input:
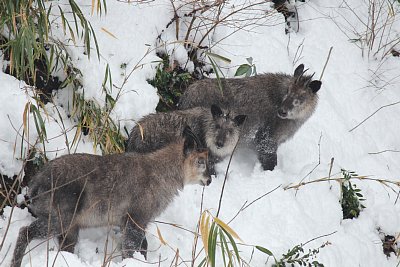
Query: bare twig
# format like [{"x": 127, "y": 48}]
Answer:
[
  {"x": 260, "y": 197},
  {"x": 226, "y": 174},
  {"x": 341, "y": 179},
  {"x": 326, "y": 63},
  {"x": 376, "y": 111},
  {"x": 178, "y": 226},
  {"x": 225, "y": 178},
  {"x": 196, "y": 237},
  {"x": 397, "y": 198},
  {"x": 384, "y": 151},
  {"x": 318, "y": 237},
  {"x": 244, "y": 206},
  {"x": 319, "y": 160}
]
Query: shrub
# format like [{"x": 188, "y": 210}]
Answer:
[
  {"x": 170, "y": 81},
  {"x": 296, "y": 255},
  {"x": 351, "y": 196}
]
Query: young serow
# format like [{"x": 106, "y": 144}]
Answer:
[
  {"x": 217, "y": 129},
  {"x": 276, "y": 105},
  {"x": 127, "y": 190}
]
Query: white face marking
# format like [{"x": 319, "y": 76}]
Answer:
[
  {"x": 302, "y": 111},
  {"x": 228, "y": 147}
]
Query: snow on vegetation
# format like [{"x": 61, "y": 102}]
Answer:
[{"x": 361, "y": 77}]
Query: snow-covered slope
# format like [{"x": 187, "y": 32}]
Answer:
[{"x": 354, "y": 86}]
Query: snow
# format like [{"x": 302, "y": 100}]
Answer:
[{"x": 354, "y": 86}]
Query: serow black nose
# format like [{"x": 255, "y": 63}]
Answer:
[
  {"x": 220, "y": 144},
  {"x": 282, "y": 113},
  {"x": 209, "y": 181}
]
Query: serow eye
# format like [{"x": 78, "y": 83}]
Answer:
[{"x": 201, "y": 161}]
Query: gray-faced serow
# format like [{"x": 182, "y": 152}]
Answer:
[
  {"x": 276, "y": 105},
  {"x": 127, "y": 190},
  {"x": 217, "y": 129}
]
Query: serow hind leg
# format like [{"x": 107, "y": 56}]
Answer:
[
  {"x": 68, "y": 240},
  {"x": 37, "y": 229}
]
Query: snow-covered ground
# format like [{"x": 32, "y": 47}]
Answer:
[{"x": 355, "y": 84}]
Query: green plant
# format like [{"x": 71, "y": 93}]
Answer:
[
  {"x": 247, "y": 69},
  {"x": 26, "y": 30},
  {"x": 170, "y": 81},
  {"x": 351, "y": 196},
  {"x": 217, "y": 234},
  {"x": 212, "y": 57},
  {"x": 296, "y": 255},
  {"x": 95, "y": 121}
]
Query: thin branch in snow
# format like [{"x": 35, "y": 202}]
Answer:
[
  {"x": 326, "y": 62},
  {"x": 226, "y": 173},
  {"x": 196, "y": 237},
  {"x": 376, "y": 111},
  {"x": 384, "y": 182},
  {"x": 383, "y": 151},
  {"x": 319, "y": 160},
  {"x": 177, "y": 226},
  {"x": 244, "y": 206},
  {"x": 260, "y": 197},
  {"x": 318, "y": 237}
]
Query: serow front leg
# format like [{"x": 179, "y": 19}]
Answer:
[
  {"x": 133, "y": 239},
  {"x": 268, "y": 160},
  {"x": 266, "y": 148}
]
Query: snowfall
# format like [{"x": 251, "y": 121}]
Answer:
[{"x": 356, "y": 123}]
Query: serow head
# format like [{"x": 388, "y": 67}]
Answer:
[
  {"x": 196, "y": 169},
  {"x": 301, "y": 97},
  {"x": 223, "y": 133}
]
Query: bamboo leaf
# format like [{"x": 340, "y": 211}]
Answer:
[
  {"x": 160, "y": 236},
  {"x": 224, "y": 246},
  {"x": 216, "y": 56},
  {"x": 25, "y": 119},
  {"x": 216, "y": 70},
  {"x": 204, "y": 230},
  {"x": 141, "y": 131},
  {"x": 92, "y": 7},
  {"x": 264, "y": 250},
  {"x": 233, "y": 244},
  {"x": 108, "y": 32},
  {"x": 203, "y": 262},
  {"x": 212, "y": 244},
  {"x": 227, "y": 228}
]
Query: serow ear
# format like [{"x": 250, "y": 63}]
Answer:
[
  {"x": 216, "y": 111},
  {"x": 299, "y": 70},
  {"x": 189, "y": 144},
  {"x": 315, "y": 86},
  {"x": 239, "y": 119}
]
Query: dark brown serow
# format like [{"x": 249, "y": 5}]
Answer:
[
  {"x": 217, "y": 129},
  {"x": 127, "y": 190},
  {"x": 276, "y": 105}
]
